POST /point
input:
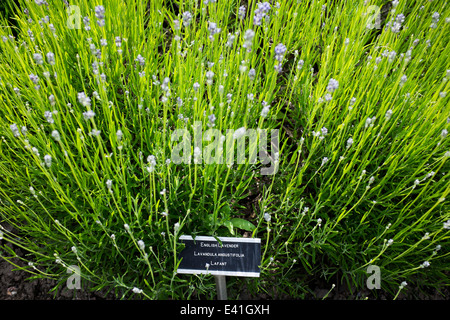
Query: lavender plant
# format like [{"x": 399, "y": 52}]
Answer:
[{"x": 91, "y": 93}]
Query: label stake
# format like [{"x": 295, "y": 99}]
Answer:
[{"x": 221, "y": 287}]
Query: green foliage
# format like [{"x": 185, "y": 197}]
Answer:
[{"x": 87, "y": 177}]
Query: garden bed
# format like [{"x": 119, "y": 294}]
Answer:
[{"x": 94, "y": 100}]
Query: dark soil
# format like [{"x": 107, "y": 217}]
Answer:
[{"x": 15, "y": 286}]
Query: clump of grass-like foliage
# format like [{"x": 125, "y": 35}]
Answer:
[{"x": 91, "y": 92}]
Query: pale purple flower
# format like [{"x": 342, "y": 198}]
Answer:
[
  {"x": 403, "y": 80},
  {"x": 349, "y": 142},
  {"x": 388, "y": 114},
  {"x": 140, "y": 59},
  {"x": 278, "y": 67},
  {"x": 209, "y": 77},
  {"x": 434, "y": 20},
  {"x": 38, "y": 58},
  {"x": 187, "y": 17},
  {"x": 118, "y": 41},
  {"x": 249, "y": 35},
  {"x": 100, "y": 15},
  {"x": 241, "y": 13},
  {"x": 15, "y": 130},
  {"x": 213, "y": 29},
  {"x": 333, "y": 84},
  {"x": 48, "y": 160},
  {"x": 197, "y": 155},
  {"x": 137, "y": 290},
  {"x": 176, "y": 24},
  {"x": 49, "y": 116},
  {"x": 261, "y": 12},
  {"x": 212, "y": 120},
  {"x": 265, "y": 111},
  {"x": 88, "y": 115},
  {"x": 229, "y": 97},
  {"x": 369, "y": 122},
  {"x": 95, "y": 133},
  {"x": 55, "y": 135},
  {"x": 239, "y": 133},
  {"x": 83, "y": 99},
  {"x": 252, "y": 74},
  {"x": 51, "y": 58},
  {"x": 34, "y": 78},
  {"x": 86, "y": 22},
  {"x": 397, "y": 23},
  {"x": 152, "y": 163},
  {"x": 119, "y": 135},
  {"x": 391, "y": 56},
  {"x": 165, "y": 84},
  {"x": 264, "y": 6},
  {"x": 141, "y": 245},
  {"x": 100, "y": 12},
  {"x": 24, "y": 130},
  {"x": 230, "y": 40},
  {"x": 400, "y": 18},
  {"x": 52, "y": 100},
  {"x": 280, "y": 50},
  {"x": 179, "y": 102}
]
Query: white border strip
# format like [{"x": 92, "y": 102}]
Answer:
[
  {"x": 219, "y": 273},
  {"x": 225, "y": 239}
]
